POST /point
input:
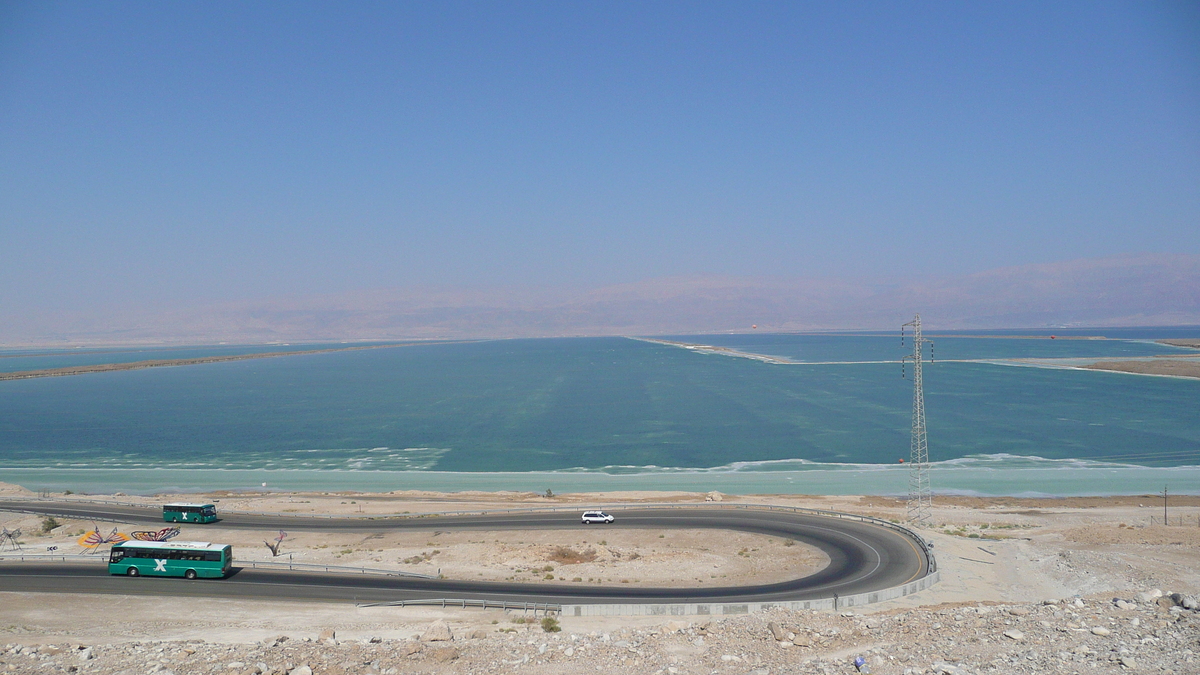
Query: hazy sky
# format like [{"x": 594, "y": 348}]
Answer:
[{"x": 181, "y": 152}]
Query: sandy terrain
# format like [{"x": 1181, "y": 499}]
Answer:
[
  {"x": 167, "y": 363},
  {"x": 1174, "y": 367},
  {"x": 1194, "y": 343},
  {"x": 994, "y": 553}
]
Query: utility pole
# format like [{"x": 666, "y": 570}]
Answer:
[
  {"x": 1164, "y": 494},
  {"x": 920, "y": 496}
]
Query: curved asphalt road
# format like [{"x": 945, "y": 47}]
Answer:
[{"x": 863, "y": 558}]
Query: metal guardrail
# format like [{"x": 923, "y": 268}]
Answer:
[
  {"x": 545, "y": 608},
  {"x": 53, "y": 557},
  {"x": 252, "y": 564},
  {"x": 67, "y": 515},
  {"x": 67, "y": 498},
  {"x": 914, "y": 536},
  {"x": 535, "y": 607},
  {"x": 313, "y": 567},
  {"x": 140, "y": 505}
]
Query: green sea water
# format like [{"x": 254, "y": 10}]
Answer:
[{"x": 613, "y": 408}]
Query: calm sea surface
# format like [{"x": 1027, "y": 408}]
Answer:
[{"x": 611, "y": 413}]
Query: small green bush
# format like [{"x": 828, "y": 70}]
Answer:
[
  {"x": 48, "y": 524},
  {"x": 550, "y": 625}
]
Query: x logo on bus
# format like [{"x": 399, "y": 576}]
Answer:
[{"x": 160, "y": 565}]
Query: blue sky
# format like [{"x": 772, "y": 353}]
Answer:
[{"x": 189, "y": 152}]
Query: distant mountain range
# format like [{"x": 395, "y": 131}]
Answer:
[{"x": 1135, "y": 290}]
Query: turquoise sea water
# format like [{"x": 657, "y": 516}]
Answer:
[{"x": 613, "y": 413}]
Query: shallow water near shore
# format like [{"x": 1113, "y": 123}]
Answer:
[
  {"x": 987, "y": 476},
  {"x": 613, "y": 414}
]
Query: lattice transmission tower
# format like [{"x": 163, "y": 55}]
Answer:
[{"x": 920, "y": 497}]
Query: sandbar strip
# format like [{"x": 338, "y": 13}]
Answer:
[
  {"x": 722, "y": 351},
  {"x": 161, "y": 363},
  {"x": 1176, "y": 367},
  {"x": 1192, "y": 343}
]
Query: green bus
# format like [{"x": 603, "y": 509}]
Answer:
[
  {"x": 189, "y": 513},
  {"x": 189, "y": 559}
]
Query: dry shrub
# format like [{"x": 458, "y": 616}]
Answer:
[{"x": 566, "y": 555}]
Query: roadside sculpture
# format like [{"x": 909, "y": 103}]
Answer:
[
  {"x": 278, "y": 542},
  {"x": 9, "y": 538},
  {"x": 156, "y": 535},
  {"x": 94, "y": 539}
]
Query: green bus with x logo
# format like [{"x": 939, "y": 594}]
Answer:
[
  {"x": 189, "y": 513},
  {"x": 188, "y": 559}
]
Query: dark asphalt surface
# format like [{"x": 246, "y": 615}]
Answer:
[{"x": 863, "y": 558}]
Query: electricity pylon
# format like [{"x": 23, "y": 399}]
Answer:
[{"x": 920, "y": 497}]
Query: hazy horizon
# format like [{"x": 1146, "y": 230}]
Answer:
[
  {"x": 314, "y": 171},
  {"x": 1146, "y": 290}
]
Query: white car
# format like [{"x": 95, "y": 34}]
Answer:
[{"x": 590, "y": 517}]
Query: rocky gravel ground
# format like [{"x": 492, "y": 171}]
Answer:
[
  {"x": 1148, "y": 632},
  {"x": 998, "y": 557}
]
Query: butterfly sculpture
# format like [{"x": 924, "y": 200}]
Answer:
[
  {"x": 9, "y": 538},
  {"x": 95, "y": 540},
  {"x": 156, "y": 535},
  {"x": 278, "y": 542}
]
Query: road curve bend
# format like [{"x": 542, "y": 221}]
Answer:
[{"x": 864, "y": 557}]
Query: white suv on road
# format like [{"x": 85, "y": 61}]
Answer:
[{"x": 590, "y": 517}]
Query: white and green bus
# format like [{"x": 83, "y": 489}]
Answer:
[
  {"x": 189, "y": 559},
  {"x": 189, "y": 513}
]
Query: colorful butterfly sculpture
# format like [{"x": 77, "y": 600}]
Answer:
[
  {"x": 94, "y": 539},
  {"x": 156, "y": 535}
]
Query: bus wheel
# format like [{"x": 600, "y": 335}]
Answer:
[
  {"x": 190, "y": 574},
  {"x": 133, "y": 572}
]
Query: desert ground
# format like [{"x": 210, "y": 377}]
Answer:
[
  {"x": 1028, "y": 585},
  {"x": 1170, "y": 365}
]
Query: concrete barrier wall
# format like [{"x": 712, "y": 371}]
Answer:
[{"x": 721, "y": 609}]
